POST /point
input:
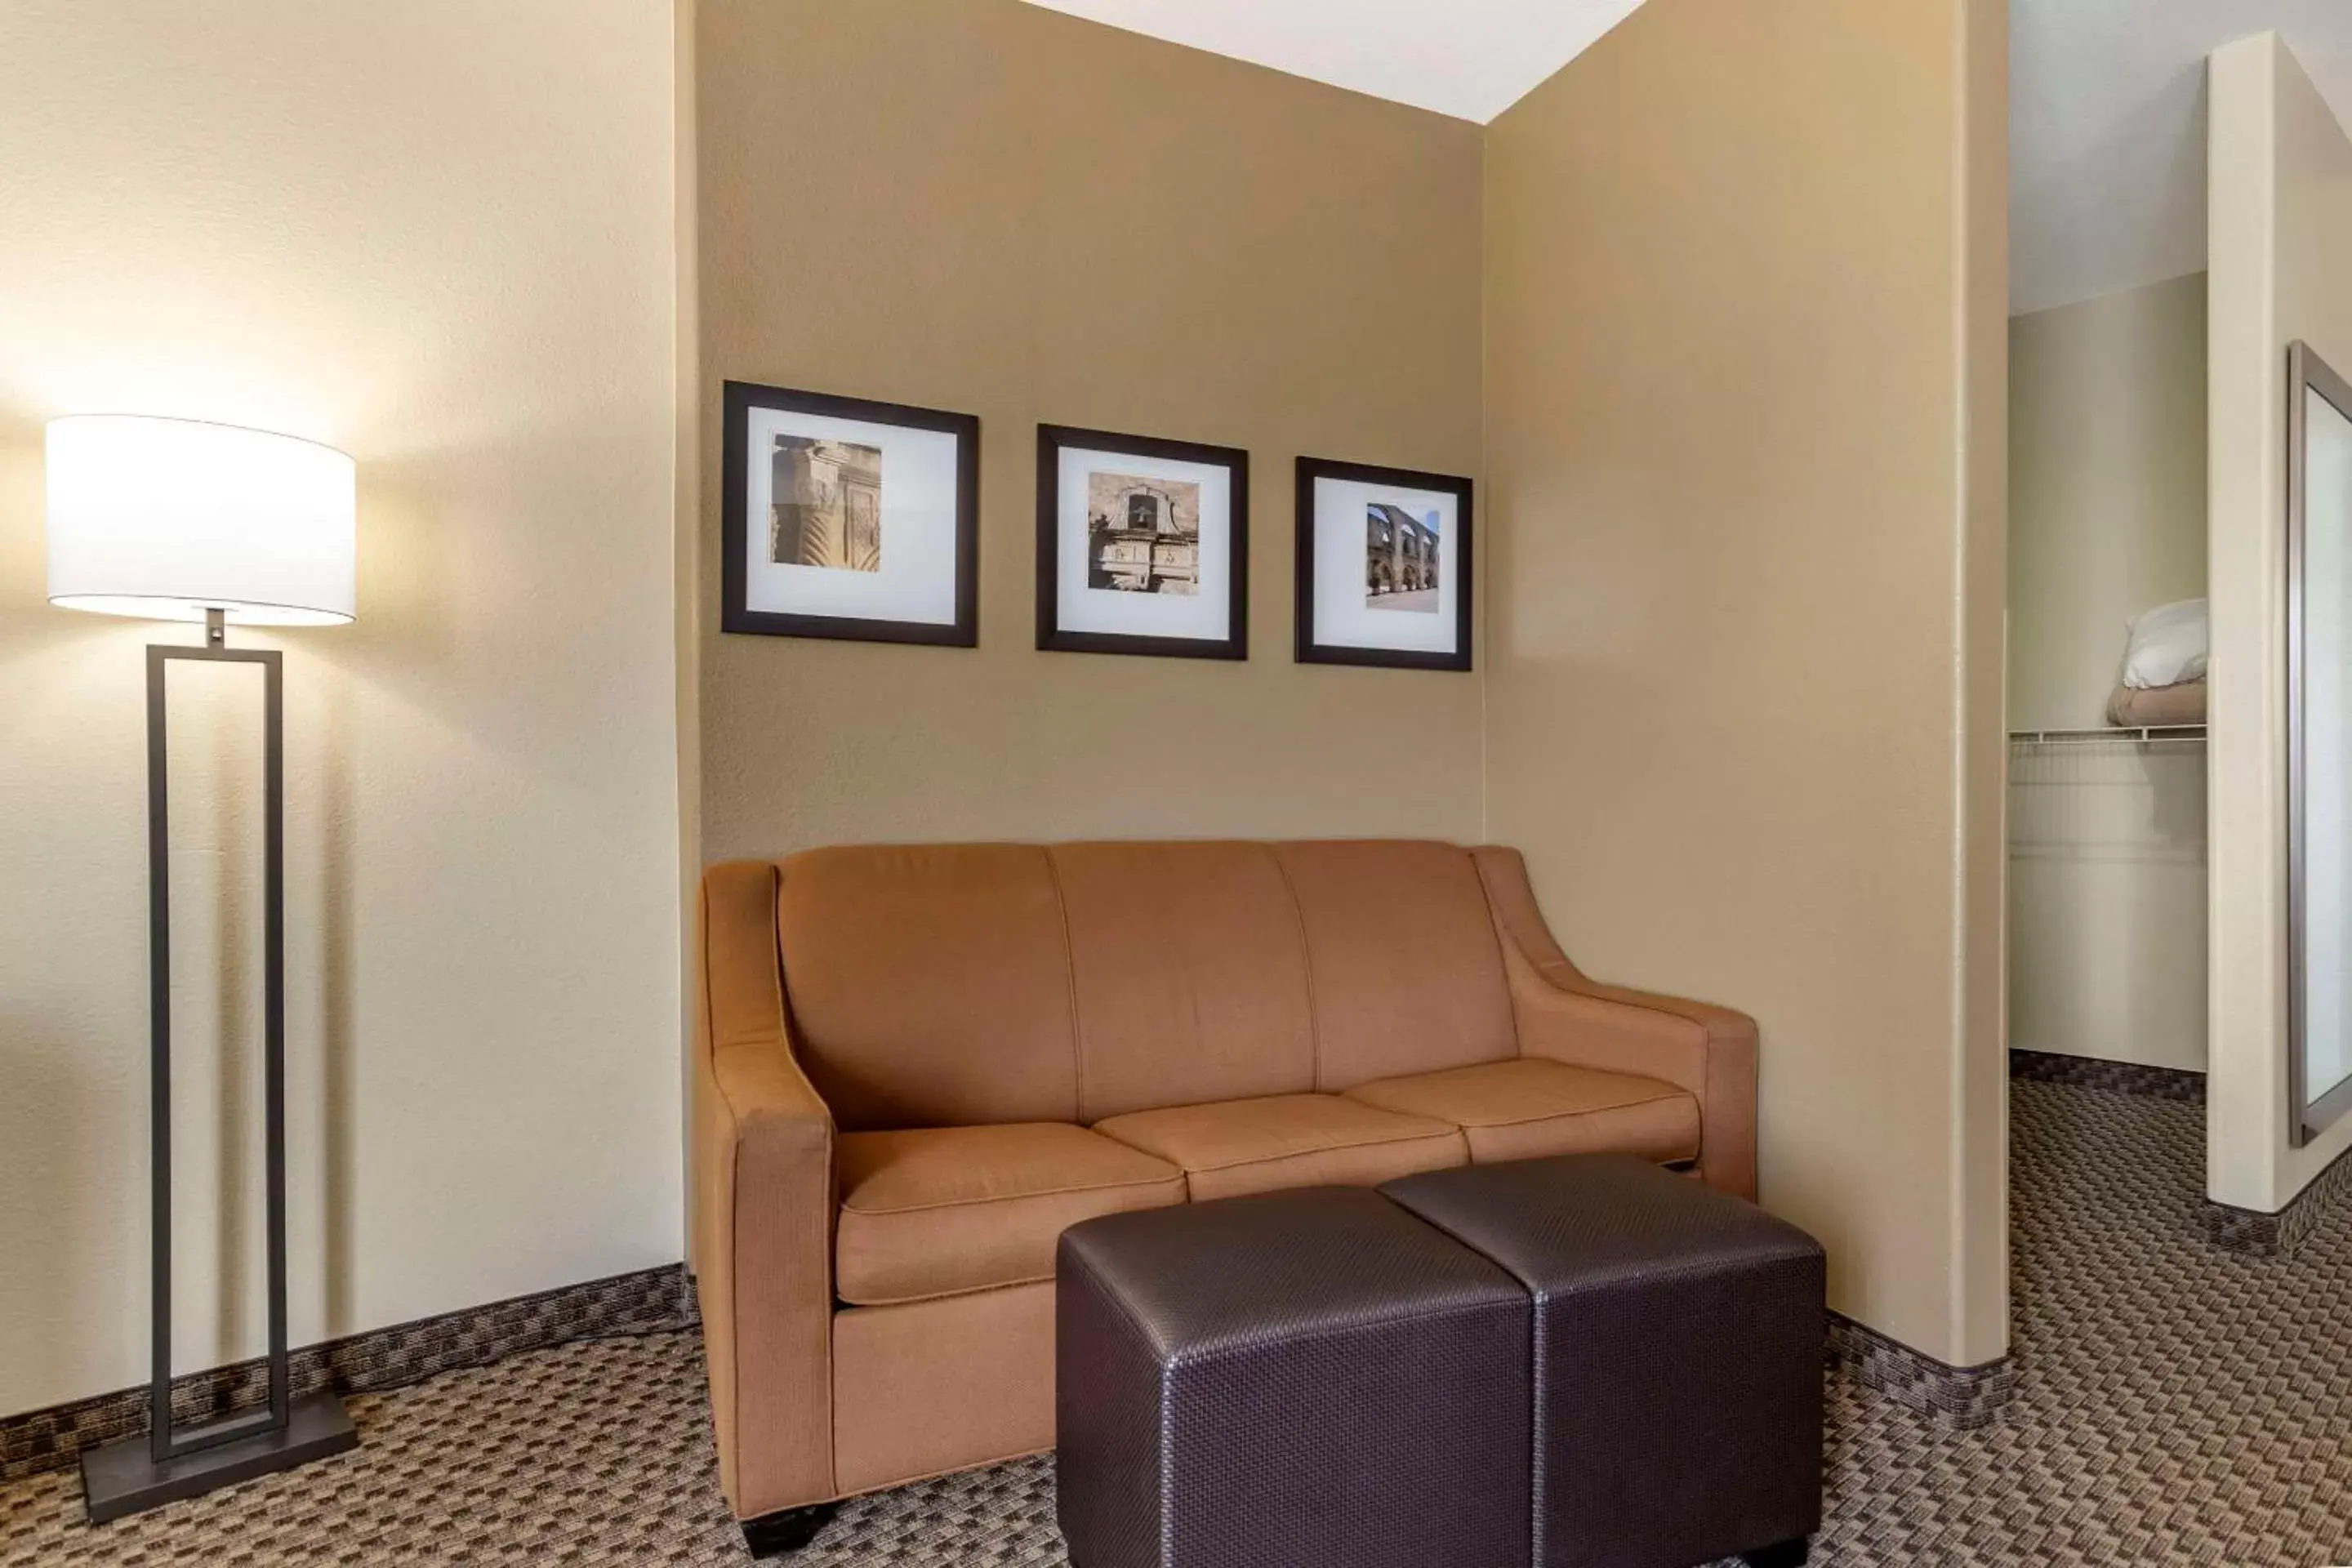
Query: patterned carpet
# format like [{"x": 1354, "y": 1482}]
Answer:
[{"x": 2176, "y": 1405}]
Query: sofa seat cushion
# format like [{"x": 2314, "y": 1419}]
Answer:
[
  {"x": 939, "y": 1211},
  {"x": 1240, "y": 1146},
  {"x": 1530, "y": 1108}
]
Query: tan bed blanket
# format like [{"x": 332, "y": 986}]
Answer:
[{"x": 2137, "y": 707}]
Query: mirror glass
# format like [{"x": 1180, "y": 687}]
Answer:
[{"x": 2324, "y": 937}]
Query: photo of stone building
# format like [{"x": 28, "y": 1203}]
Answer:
[
  {"x": 1400, "y": 559},
  {"x": 826, "y": 505},
  {"x": 1143, "y": 536}
]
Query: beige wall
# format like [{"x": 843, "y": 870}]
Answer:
[
  {"x": 2106, "y": 520},
  {"x": 2280, "y": 211},
  {"x": 686, "y": 546},
  {"x": 437, "y": 235},
  {"x": 1746, "y": 307},
  {"x": 1096, "y": 229},
  {"x": 2107, "y": 488}
]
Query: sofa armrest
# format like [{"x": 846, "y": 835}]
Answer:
[
  {"x": 1562, "y": 1015},
  {"x": 764, "y": 1143}
]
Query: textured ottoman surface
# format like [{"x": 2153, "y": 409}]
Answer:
[
  {"x": 1678, "y": 1336},
  {"x": 1308, "y": 1378}
]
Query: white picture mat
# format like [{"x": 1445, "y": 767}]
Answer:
[
  {"x": 1342, "y": 619},
  {"x": 1205, "y": 617},
  {"x": 918, "y": 579},
  {"x": 2327, "y": 747}
]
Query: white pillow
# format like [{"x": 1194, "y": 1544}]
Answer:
[{"x": 2166, "y": 645}]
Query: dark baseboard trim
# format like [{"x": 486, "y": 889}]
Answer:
[
  {"x": 1962, "y": 1397},
  {"x": 2093, "y": 1072},
  {"x": 2260, "y": 1235},
  {"x": 662, "y": 1300},
  {"x": 652, "y": 1301}
]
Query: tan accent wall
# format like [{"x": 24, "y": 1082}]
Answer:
[
  {"x": 2280, "y": 213},
  {"x": 438, "y": 235},
  {"x": 1746, "y": 308},
  {"x": 984, "y": 207}
]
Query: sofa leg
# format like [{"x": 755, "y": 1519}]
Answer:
[
  {"x": 1785, "y": 1554},
  {"x": 787, "y": 1530}
]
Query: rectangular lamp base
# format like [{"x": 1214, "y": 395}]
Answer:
[{"x": 122, "y": 1478}]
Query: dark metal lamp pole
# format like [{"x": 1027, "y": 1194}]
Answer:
[{"x": 172, "y": 1463}]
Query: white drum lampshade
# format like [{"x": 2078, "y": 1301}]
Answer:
[{"x": 170, "y": 518}]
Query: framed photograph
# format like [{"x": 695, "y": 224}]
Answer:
[
  {"x": 1384, "y": 566},
  {"x": 1142, "y": 545},
  {"x": 843, "y": 518}
]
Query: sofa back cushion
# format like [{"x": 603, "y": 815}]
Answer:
[
  {"x": 959, "y": 984},
  {"x": 1401, "y": 952},
  {"x": 929, "y": 983},
  {"x": 1190, "y": 972}
]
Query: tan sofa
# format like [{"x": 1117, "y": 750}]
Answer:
[{"x": 916, "y": 1065}]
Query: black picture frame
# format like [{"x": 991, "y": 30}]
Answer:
[
  {"x": 1310, "y": 648},
  {"x": 1051, "y": 636},
  {"x": 740, "y": 398}
]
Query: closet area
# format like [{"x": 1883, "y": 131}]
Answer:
[{"x": 2107, "y": 648}]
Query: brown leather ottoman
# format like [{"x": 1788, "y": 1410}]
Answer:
[
  {"x": 1308, "y": 1379},
  {"x": 1678, "y": 1336}
]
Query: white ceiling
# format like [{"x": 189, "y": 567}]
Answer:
[
  {"x": 2107, "y": 131},
  {"x": 1469, "y": 59}
]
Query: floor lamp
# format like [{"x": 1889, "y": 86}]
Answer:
[{"x": 175, "y": 520}]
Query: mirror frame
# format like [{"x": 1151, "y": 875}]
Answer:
[{"x": 2307, "y": 373}]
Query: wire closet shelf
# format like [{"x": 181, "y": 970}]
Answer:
[{"x": 2137, "y": 735}]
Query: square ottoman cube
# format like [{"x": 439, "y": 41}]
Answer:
[
  {"x": 1312, "y": 1379},
  {"x": 1679, "y": 1350}
]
